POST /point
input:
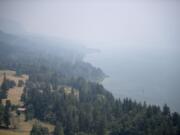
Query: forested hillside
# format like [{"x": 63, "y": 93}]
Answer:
[
  {"x": 62, "y": 89},
  {"x": 29, "y": 54}
]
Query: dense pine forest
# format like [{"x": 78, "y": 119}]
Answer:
[{"x": 66, "y": 91}]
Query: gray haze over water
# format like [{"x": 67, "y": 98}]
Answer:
[
  {"x": 143, "y": 74},
  {"x": 139, "y": 40}
]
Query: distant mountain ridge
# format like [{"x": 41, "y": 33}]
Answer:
[{"x": 63, "y": 56}]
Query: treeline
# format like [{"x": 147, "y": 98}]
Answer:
[
  {"x": 95, "y": 111},
  {"x": 6, "y": 109},
  {"x": 5, "y": 114},
  {"x": 5, "y": 86}
]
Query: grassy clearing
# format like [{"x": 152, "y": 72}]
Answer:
[
  {"x": 12, "y": 132},
  {"x": 14, "y": 94},
  {"x": 8, "y": 72},
  {"x": 24, "y": 127}
]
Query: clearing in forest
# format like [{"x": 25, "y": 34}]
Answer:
[{"x": 14, "y": 95}]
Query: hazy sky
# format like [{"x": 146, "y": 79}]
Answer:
[{"x": 131, "y": 21}]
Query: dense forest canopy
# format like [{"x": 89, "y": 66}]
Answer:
[{"x": 64, "y": 90}]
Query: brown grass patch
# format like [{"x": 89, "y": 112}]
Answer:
[
  {"x": 14, "y": 94},
  {"x": 12, "y": 132}
]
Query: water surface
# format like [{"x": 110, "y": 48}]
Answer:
[{"x": 146, "y": 73}]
